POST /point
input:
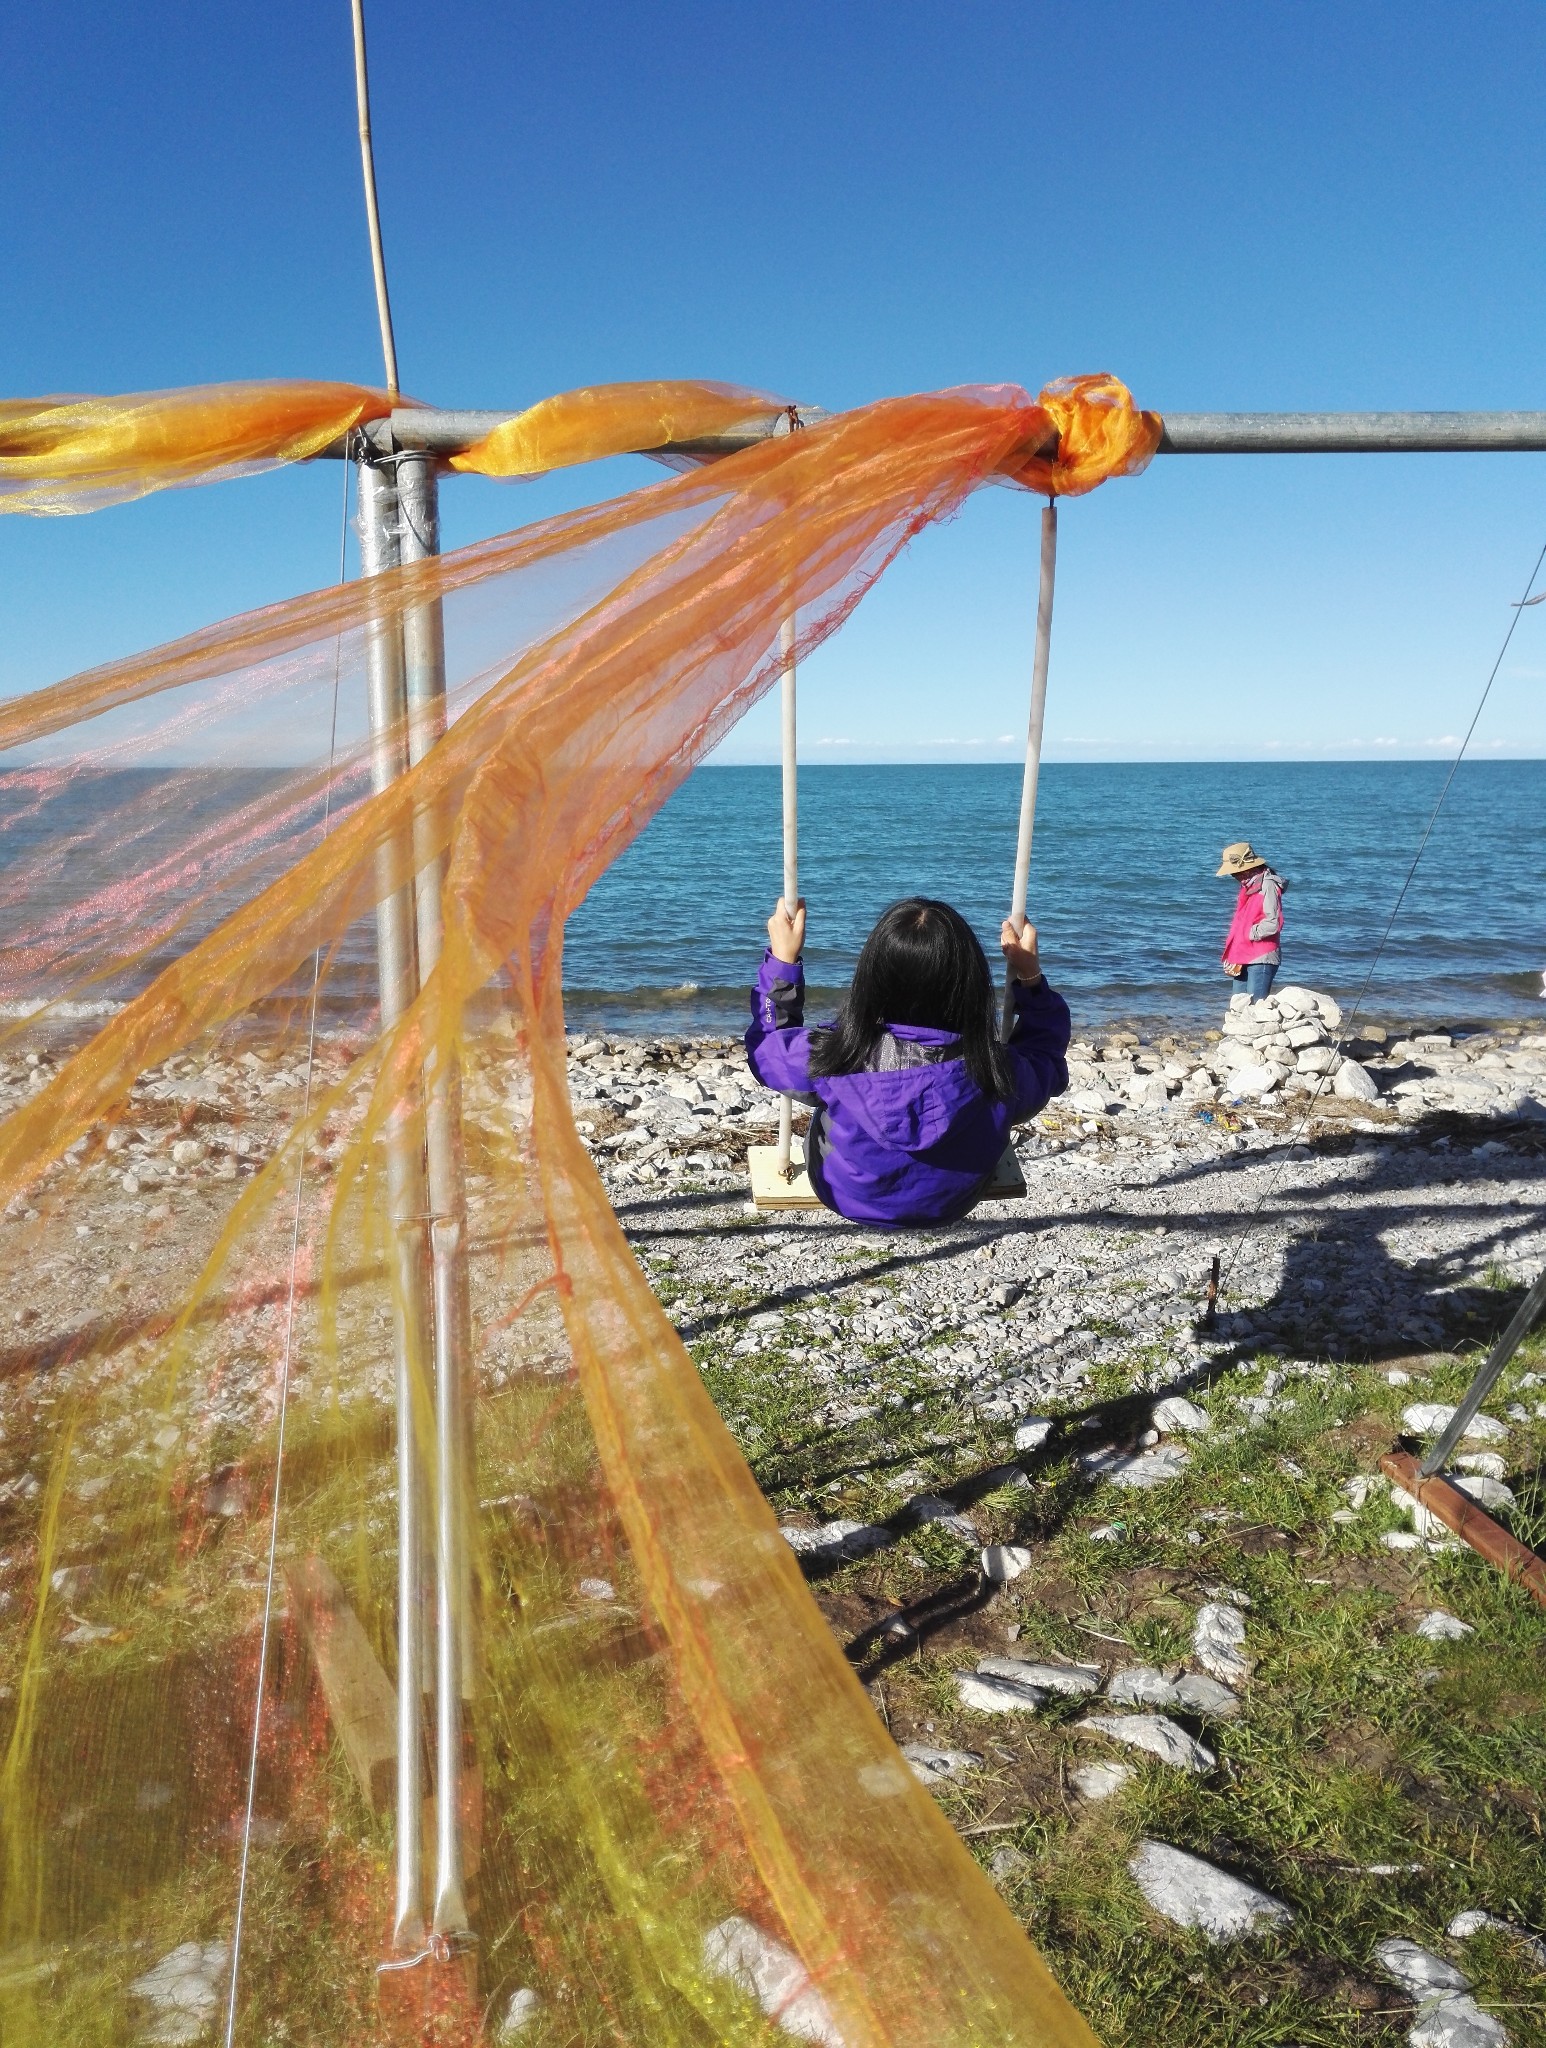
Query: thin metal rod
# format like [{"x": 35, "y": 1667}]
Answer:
[
  {"x": 1350, "y": 433},
  {"x": 397, "y": 968},
  {"x": 372, "y": 209},
  {"x": 1038, "y": 714},
  {"x": 786, "y": 635},
  {"x": 424, "y": 660},
  {"x": 438, "y": 431},
  {"x": 1526, "y": 1316}
]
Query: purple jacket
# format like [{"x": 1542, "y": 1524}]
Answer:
[{"x": 910, "y": 1144}]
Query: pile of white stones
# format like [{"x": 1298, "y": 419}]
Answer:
[{"x": 1286, "y": 1044}]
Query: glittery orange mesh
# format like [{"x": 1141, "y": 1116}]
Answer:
[{"x": 685, "y": 1822}]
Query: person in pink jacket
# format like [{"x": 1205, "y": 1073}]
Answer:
[{"x": 1253, "y": 949}]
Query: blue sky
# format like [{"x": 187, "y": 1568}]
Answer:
[{"x": 1283, "y": 206}]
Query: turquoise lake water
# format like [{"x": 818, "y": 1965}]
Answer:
[{"x": 1122, "y": 884}]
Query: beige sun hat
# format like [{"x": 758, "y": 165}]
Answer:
[{"x": 1240, "y": 858}]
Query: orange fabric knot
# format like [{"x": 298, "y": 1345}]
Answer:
[{"x": 1100, "y": 434}]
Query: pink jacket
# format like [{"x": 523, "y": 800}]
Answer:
[{"x": 1256, "y": 930}]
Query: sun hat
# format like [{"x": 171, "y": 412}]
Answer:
[{"x": 1239, "y": 858}]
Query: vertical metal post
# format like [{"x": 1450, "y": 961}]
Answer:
[
  {"x": 424, "y": 663},
  {"x": 1049, "y": 563},
  {"x": 397, "y": 968},
  {"x": 791, "y": 845}
]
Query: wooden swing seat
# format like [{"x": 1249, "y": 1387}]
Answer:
[{"x": 770, "y": 1190}]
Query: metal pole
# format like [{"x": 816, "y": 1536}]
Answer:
[
  {"x": 397, "y": 969},
  {"x": 424, "y": 660},
  {"x": 791, "y": 846},
  {"x": 1529, "y": 1312},
  {"x": 1049, "y": 563},
  {"x": 372, "y": 210}
]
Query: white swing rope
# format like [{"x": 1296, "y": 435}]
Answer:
[
  {"x": 1346, "y": 1034},
  {"x": 239, "y": 1922}
]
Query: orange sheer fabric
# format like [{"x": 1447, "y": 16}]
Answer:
[
  {"x": 75, "y": 454},
  {"x": 693, "y": 1755},
  {"x": 613, "y": 419}
]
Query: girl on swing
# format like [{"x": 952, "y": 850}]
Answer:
[{"x": 913, "y": 1094}]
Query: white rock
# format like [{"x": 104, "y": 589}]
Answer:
[
  {"x": 1191, "y": 1893},
  {"x": 1486, "y": 1464},
  {"x": 1427, "y": 1418},
  {"x": 1255, "y": 1079},
  {"x": 1002, "y": 1562},
  {"x": 518, "y": 2015},
  {"x": 991, "y": 1695},
  {"x": 935, "y": 1766},
  {"x": 185, "y": 1988},
  {"x": 1439, "y": 1627},
  {"x": 1457, "y": 2022},
  {"x": 1145, "y": 1469},
  {"x": 738, "y": 1950},
  {"x": 1464, "y": 1925},
  {"x": 1319, "y": 1059},
  {"x": 1354, "y": 1083},
  {"x": 1490, "y": 1494},
  {"x": 1206, "y": 1697},
  {"x": 1420, "y": 1973},
  {"x": 1140, "y": 1685},
  {"x": 1156, "y": 1734},
  {"x": 1177, "y": 1415},
  {"x": 1216, "y": 1642},
  {"x": 1100, "y": 1781},
  {"x": 1073, "y": 1681},
  {"x": 1401, "y": 1539},
  {"x": 1031, "y": 1434}
]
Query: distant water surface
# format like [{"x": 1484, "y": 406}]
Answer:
[{"x": 1122, "y": 883}]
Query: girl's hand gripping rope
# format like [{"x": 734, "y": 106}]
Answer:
[
  {"x": 1020, "y": 952},
  {"x": 786, "y": 931}
]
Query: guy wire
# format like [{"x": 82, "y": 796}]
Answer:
[
  {"x": 1347, "y": 1030},
  {"x": 289, "y": 1343}
]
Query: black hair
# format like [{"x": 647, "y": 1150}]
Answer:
[{"x": 921, "y": 965}]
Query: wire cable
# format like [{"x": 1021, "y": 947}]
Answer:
[
  {"x": 287, "y": 1356},
  {"x": 1519, "y": 607}
]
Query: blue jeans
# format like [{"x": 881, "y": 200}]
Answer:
[{"x": 1258, "y": 979}]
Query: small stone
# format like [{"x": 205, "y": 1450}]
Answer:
[
  {"x": 1354, "y": 1083},
  {"x": 1100, "y": 1781},
  {"x": 184, "y": 1988},
  {"x": 1486, "y": 1464},
  {"x": 1205, "y": 1697},
  {"x": 1002, "y": 1562},
  {"x": 935, "y": 1766},
  {"x": 1464, "y": 1925},
  {"x": 1008, "y": 1865},
  {"x": 1439, "y": 1627},
  {"x": 1176, "y": 1415},
  {"x": 1457, "y": 2022},
  {"x": 1428, "y": 1418},
  {"x": 1192, "y": 1893},
  {"x": 596, "y": 1589},
  {"x": 1490, "y": 1494},
  {"x": 189, "y": 1152},
  {"x": 1139, "y": 1685},
  {"x": 1144, "y": 1470},
  {"x": 1157, "y": 1735},
  {"x": 1073, "y": 1681},
  {"x": 1419, "y": 1972},
  {"x": 1216, "y": 1643},
  {"x": 1031, "y": 1434},
  {"x": 739, "y": 1951},
  {"x": 518, "y": 2015},
  {"x": 989, "y": 1693}
]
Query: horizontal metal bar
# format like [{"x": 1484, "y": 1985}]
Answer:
[
  {"x": 450, "y": 433},
  {"x": 1185, "y": 433},
  {"x": 1349, "y": 433}
]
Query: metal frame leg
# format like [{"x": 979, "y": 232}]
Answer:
[{"x": 424, "y": 656}]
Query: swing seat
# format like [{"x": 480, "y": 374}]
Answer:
[{"x": 771, "y": 1191}]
